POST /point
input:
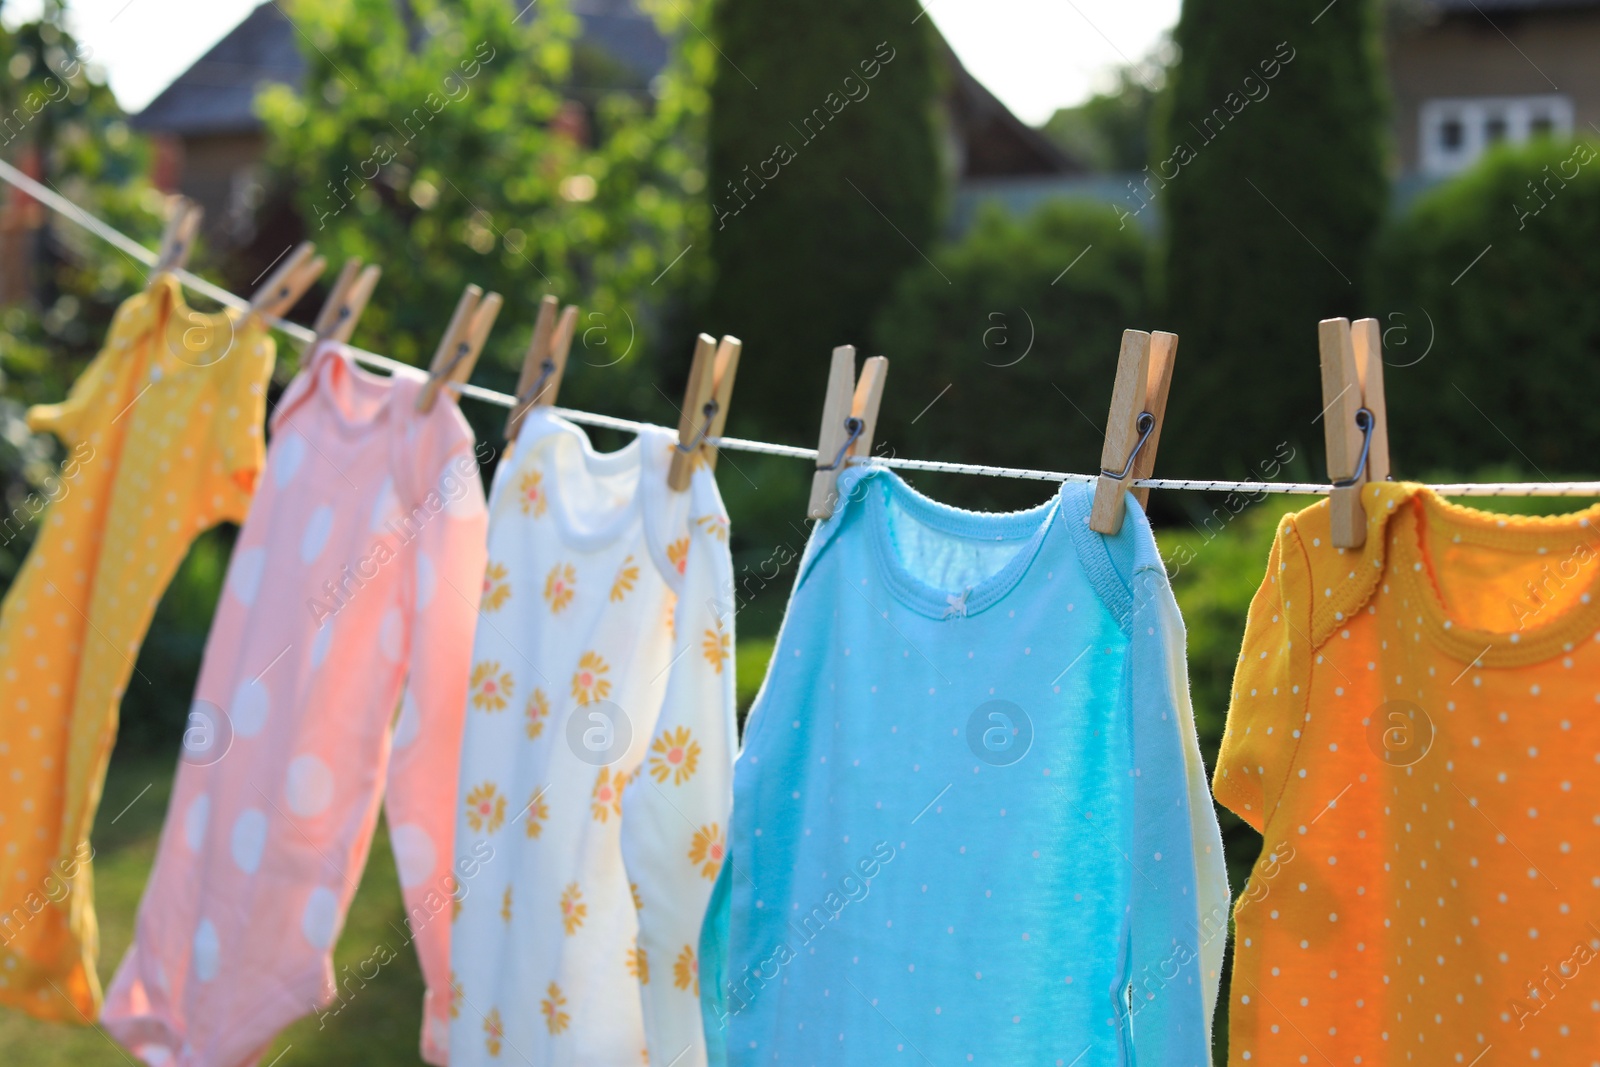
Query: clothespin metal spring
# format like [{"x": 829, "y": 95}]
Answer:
[
  {"x": 854, "y": 427},
  {"x": 1146, "y": 426},
  {"x": 1366, "y": 423},
  {"x": 709, "y": 413},
  {"x": 546, "y": 369}
]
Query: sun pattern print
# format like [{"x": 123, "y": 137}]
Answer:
[
  {"x": 714, "y": 646},
  {"x": 638, "y": 901},
  {"x": 538, "y": 812},
  {"x": 627, "y": 575},
  {"x": 607, "y": 798},
  {"x": 494, "y": 1031},
  {"x": 491, "y": 686},
  {"x": 505, "y": 905},
  {"x": 455, "y": 997},
  {"x": 537, "y": 711},
  {"x": 573, "y": 909},
  {"x": 496, "y": 590},
  {"x": 707, "y": 850},
  {"x": 555, "y": 1020},
  {"x": 678, "y": 554},
  {"x": 559, "y": 587},
  {"x": 674, "y": 754},
  {"x": 530, "y": 493},
  {"x": 589, "y": 681},
  {"x": 486, "y": 808},
  {"x": 638, "y": 966},
  {"x": 686, "y": 970}
]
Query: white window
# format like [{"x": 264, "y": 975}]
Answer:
[{"x": 1455, "y": 132}]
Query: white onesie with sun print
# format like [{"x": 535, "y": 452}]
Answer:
[{"x": 596, "y": 766}]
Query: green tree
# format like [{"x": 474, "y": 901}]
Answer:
[
  {"x": 826, "y": 185},
  {"x": 1272, "y": 183},
  {"x": 1495, "y": 269},
  {"x": 452, "y": 143}
]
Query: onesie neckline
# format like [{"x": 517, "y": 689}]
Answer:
[
  {"x": 382, "y": 393},
  {"x": 1462, "y": 638},
  {"x": 646, "y": 453},
  {"x": 1030, "y": 525},
  {"x": 208, "y": 336}
]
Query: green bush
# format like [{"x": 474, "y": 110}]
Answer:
[
  {"x": 999, "y": 354},
  {"x": 1515, "y": 336},
  {"x": 1274, "y": 191}
]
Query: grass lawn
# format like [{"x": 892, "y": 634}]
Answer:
[{"x": 380, "y": 1025}]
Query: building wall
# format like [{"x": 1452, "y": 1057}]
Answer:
[
  {"x": 1549, "y": 68},
  {"x": 222, "y": 173}
]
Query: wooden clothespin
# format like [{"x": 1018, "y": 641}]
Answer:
[
  {"x": 295, "y": 274},
  {"x": 351, "y": 291},
  {"x": 849, "y": 419},
  {"x": 705, "y": 406},
  {"x": 1356, "y": 426},
  {"x": 1133, "y": 429},
  {"x": 177, "y": 239},
  {"x": 545, "y": 362},
  {"x": 463, "y": 340}
]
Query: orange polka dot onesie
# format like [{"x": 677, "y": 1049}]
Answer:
[
  {"x": 1415, "y": 732},
  {"x": 164, "y": 429}
]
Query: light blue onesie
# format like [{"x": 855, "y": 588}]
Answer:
[{"x": 970, "y": 820}]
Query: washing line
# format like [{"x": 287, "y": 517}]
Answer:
[{"x": 108, "y": 233}]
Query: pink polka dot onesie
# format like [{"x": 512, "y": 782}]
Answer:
[{"x": 360, "y": 566}]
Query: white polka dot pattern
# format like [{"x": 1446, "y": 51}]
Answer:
[
  {"x": 1416, "y": 743},
  {"x": 249, "y": 839},
  {"x": 326, "y": 620},
  {"x": 310, "y": 786}
]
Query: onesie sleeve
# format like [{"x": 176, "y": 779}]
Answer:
[
  {"x": 236, "y": 430},
  {"x": 447, "y": 558},
  {"x": 1271, "y": 685},
  {"x": 72, "y": 419},
  {"x": 675, "y": 816},
  {"x": 1211, "y": 874},
  {"x": 1179, "y": 908}
]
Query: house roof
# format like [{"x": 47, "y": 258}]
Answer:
[
  {"x": 995, "y": 142},
  {"x": 217, "y": 94}
]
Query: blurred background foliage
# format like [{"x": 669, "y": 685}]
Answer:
[
  {"x": 821, "y": 129},
  {"x": 994, "y": 321},
  {"x": 1272, "y": 169},
  {"x": 74, "y": 137},
  {"x": 1499, "y": 363},
  {"x": 1112, "y": 130},
  {"x": 549, "y": 167},
  {"x": 454, "y": 143}
]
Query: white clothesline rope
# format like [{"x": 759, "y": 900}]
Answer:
[{"x": 61, "y": 205}]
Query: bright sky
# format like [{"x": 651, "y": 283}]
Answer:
[{"x": 1036, "y": 55}]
